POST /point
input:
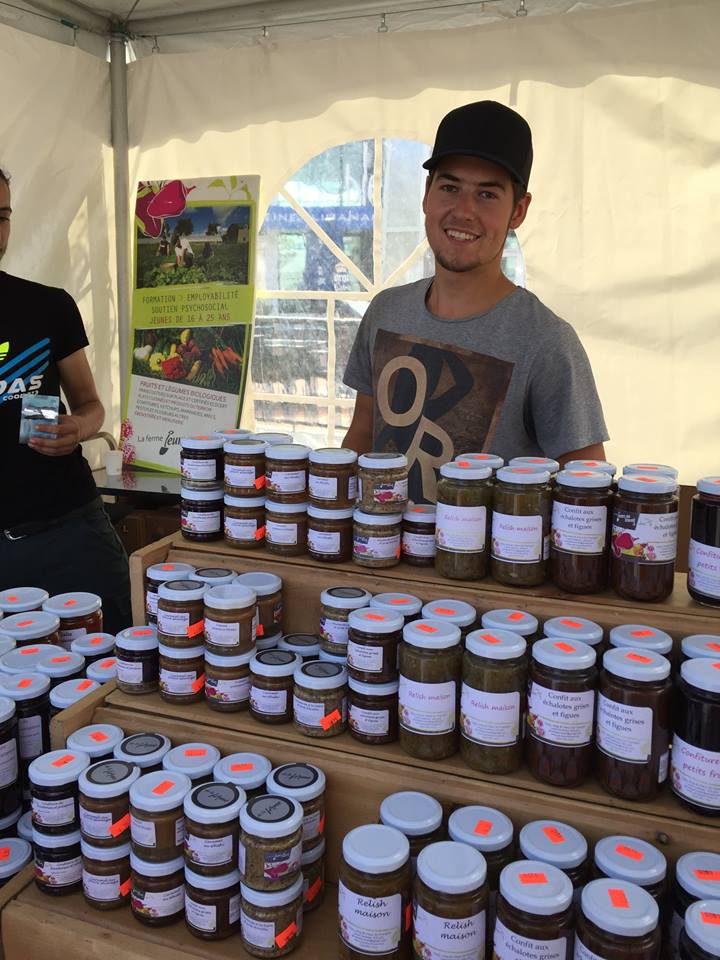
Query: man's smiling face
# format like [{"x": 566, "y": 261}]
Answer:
[{"x": 5, "y": 212}]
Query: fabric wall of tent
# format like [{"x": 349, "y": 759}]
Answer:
[{"x": 623, "y": 98}]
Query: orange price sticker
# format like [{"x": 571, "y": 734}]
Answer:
[
  {"x": 195, "y": 628},
  {"x": 321, "y": 825},
  {"x": 260, "y": 533},
  {"x": 516, "y": 616},
  {"x": 70, "y": 603},
  {"x": 573, "y": 624},
  {"x": 426, "y": 628},
  {"x": 26, "y": 650},
  {"x": 374, "y": 616},
  {"x": 106, "y": 664},
  {"x": 618, "y": 899},
  {"x": 24, "y": 683},
  {"x": 630, "y": 852},
  {"x": 98, "y": 736},
  {"x": 199, "y": 683},
  {"x": 196, "y": 752},
  {"x": 463, "y": 463},
  {"x": 446, "y": 611},
  {"x": 84, "y": 684},
  {"x": 62, "y": 761},
  {"x": 638, "y": 658},
  {"x": 330, "y": 719},
  {"x": 167, "y": 566},
  {"x": 25, "y": 623},
  {"x": 490, "y": 638},
  {"x": 313, "y": 891},
  {"x": 713, "y": 918},
  {"x": 11, "y": 599},
  {"x": 236, "y": 767},
  {"x": 96, "y": 641},
  {"x": 408, "y": 916},
  {"x": 5, "y": 854},
  {"x": 712, "y": 875},
  {"x": 259, "y": 483},
  {"x": 286, "y": 935},
  {"x": 163, "y": 787},
  {"x": 120, "y": 826},
  {"x": 483, "y": 827},
  {"x": 260, "y": 632},
  {"x": 126, "y": 887},
  {"x": 142, "y": 633},
  {"x": 397, "y": 600},
  {"x": 59, "y": 659},
  {"x": 553, "y": 834},
  {"x": 642, "y": 633},
  {"x": 565, "y": 647},
  {"x": 713, "y": 646},
  {"x": 527, "y": 878},
  {"x": 716, "y": 666},
  {"x": 398, "y": 552}
]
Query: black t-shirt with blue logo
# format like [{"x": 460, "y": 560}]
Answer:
[{"x": 39, "y": 326}]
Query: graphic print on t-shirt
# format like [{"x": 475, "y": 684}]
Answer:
[
  {"x": 433, "y": 401},
  {"x": 22, "y": 374}
]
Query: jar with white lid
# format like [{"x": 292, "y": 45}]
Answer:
[
  {"x": 551, "y": 841},
  {"x": 180, "y": 612},
  {"x": 94, "y": 646},
  {"x": 382, "y": 482},
  {"x": 36, "y": 627},
  {"x": 464, "y": 502},
  {"x": 320, "y": 699},
  {"x": 102, "y": 671},
  {"x": 332, "y": 477},
  {"x": 520, "y": 544},
  {"x": 376, "y": 539},
  {"x": 695, "y": 754},
  {"x": 272, "y": 675},
  {"x": 244, "y": 473},
  {"x": 697, "y": 877},
  {"x": 633, "y": 860},
  {"x": 182, "y": 674},
  {"x": 272, "y": 437},
  {"x": 244, "y": 522},
  {"x": 580, "y": 531},
  {"x": 212, "y": 904},
  {"x": 305, "y": 783},
  {"x": 330, "y": 534},
  {"x": 212, "y": 828},
  {"x": 23, "y": 660},
  {"x": 373, "y": 711},
  {"x": 32, "y": 710},
  {"x": 145, "y": 750},
  {"x": 214, "y": 576},
  {"x": 418, "y": 535},
  {"x": 332, "y": 658},
  {"x": 575, "y": 628},
  {"x": 22, "y": 599},
  {"x": 534, "y": 913},
  {"x": 313, "y": 872},
  {"x": 700, "y": 940},
  {"x": 418, "y": 816},
  {"x": 286, "y": 472},
  {"x": 374, "y": 896},
  {"x": 58, "y": 862},
  {"x": 157, "y": 822},
  {"x": 248, "y": 771},
  {"x": 19, "y": 854},
  {"x": 227, "y": 681},
  {"x": 230, "y": 619},
  {"x": 271, "y": 921},
  {"x": 463, "y": 615},
  {"x": 104, "y": 802},
  {"x": 268, "y": 590},
  {"x": 641, "y": 637},
  {"x": 270, "y": 842},
  {"x": 54, "y": 790},
  {"x": 335, "y": 606},
  {"x": 79, "y": 613},
  {"x": 372, "y": 650},
  {"x": 450, "y": 900},
  {"x": 700, "y": 645},
  {"x": 201, "y": 462},
  {"x": 98, "y": 740},
  {"x": 106, "y": 878},
  {"x": 286, "y": 528},
  {"x": 69, "y": 692},
  {"x": 491, "y": 460},
  {"x": 404, "y": 604},
  {"x": 703, "y": 578},
  {"x": 604, "y": 466},
  {"x": 63, "y": 666},
  {"x": 10, "y": 788},
  {"x": 158, "y": 890},
  {"x": 518, "y": 621},
  {"x": 156, "y": 574},
  {"x": 195, "y": 760},
  {"x": 617, "y": 920},
  {"x": 304, "y": 645},
  {"x": 201, "y": 514}
]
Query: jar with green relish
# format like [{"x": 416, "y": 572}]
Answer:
[
  {"x": 520, "y": 547},
  {"x": 464, "y": 499}
]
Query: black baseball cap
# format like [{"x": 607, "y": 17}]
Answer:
[{"x": 489, "y": 130}]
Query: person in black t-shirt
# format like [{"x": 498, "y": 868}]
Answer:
[{"x": 54, "y": 531}]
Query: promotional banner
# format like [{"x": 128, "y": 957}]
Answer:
[{"x": 192, "y": 311}]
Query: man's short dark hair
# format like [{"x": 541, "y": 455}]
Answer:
[{"x": 5, "y": 177}]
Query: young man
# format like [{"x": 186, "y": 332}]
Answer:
[
  {"x": 54, "y": 532},
  {"x": 466, "y": 361}
]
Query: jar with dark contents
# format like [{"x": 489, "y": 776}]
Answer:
[
  {"x": 58, "y": 862},
  {"x": 520, "y": 545},
  {"x": 376, "y": 539},
  {"x": 195, "y": 761},
  {"x": 244, "y": 473},
  {"x": 10, "y": 789},
  {"x": 493, "y": 700},
  {"x": 268, "y": 592},
  {"x": 16, "y": 854},
  {"x": 212, "y": 828},
  {"x": 456, "y": 612},
  {"x": 304, "y": 783},
  {"x": 417, "y": 816},
  {"x": 106, "y": 878},
  {"x": 535, "y": 915},
  {"x": 54, "y": 790},
  {"x": 700, "y": 940},
  {"x": 182, "y": 674},
  {"x": 201, "y": 462},
  {"x": 230, "y": 619},
  {"x": 382, "y": 483},
  {"x": 700, "y": 645},
  {"x": 97, "y": 740},
  {"x": 418, "y": 535},
  {"x": 180, "y": 613},
  {"x": 64, "y": 666},
  {"x": 639, "y": 636},
  {"x": 156, "y": 574},
  {"x": 270, "y": 842},
  {"x": 633, "y": 860},
  {"x": 247, "y": 771},
  {"x": 36, "y": 627},
  {"x": 521, "y": 622},
  {"x": 697, "y": 877},
  {"x": 372, "y": 651},
  {"x": 227, "y": 681},
  {"x": 79, "y": 613},
  {"x": 272, "y": 921},
  {"x": 373, "y": 711},
  {"x": 104, "y": 802},
  {"x": 576, "y": 628},
  {"x": 332, "y": 478},
  {"x": 695, "y": 752},
  {"x": 66, "y": 694},
  {"x": 551, "y": 841},
  {"x": 158, "y": 890},
  {"x": 22, "y": 599},
  {"x": 617, "y": 920},
  {"x": 320, "y": 699},
  {"x": 212, "y": 904},
  {"x": 561, "y": 712},
  {"x": 157, "y": 823},
  {"x": 330, "y": 534},
  {"x": 633, "y": 723},
  {"x": 286, "y": 528},
  {"x": 464, "y": 502},
  {"x": 30, "y": 694},
  {"x": 286, "y": 472},
  {"x": 143, "y": 750},
  {"x": 94, "y": 646},
  {"x": 644, "y": 537},
  {"x": 579, "y": 537},
  {"x": 335, "y": 606},
  {"x": 244, "y": 522},
  {"x": 201, "y": 514},
  {"x": 272, "y": 675},
  {"x": 703, "y": 580}
]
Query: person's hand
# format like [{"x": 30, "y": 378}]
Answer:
[{"x": 57, "y": 440}]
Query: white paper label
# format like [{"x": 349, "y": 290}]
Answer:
[
  {"x": 645, "y": 537},
  {"x": 365, "y": 658},
  {"x": 322, "y": 541},
  {"x": 239, "y": 476},
  {"x": 460, "y": 529},
  {"x": 95, "y": 824},
  {"x": 370, "y": 924},
  {"x": 258, "y": 932},
  {"x": 222, "y": 634},
  {"x": 579, "y": 529},
  {"x": 519, "y": 539},
  {"x": 30, "y": 737},
  {"x": 101, "y": 888},
  {"x": 374, "y": 723},
  {"x": 582, "y": 952},
  {"x": 53, "y": 813},
  {"x": 283, "y": 533},
  {"x": 142, "y": 832},
  {"x": 512, "y": 946},
  {"x": 427, "y": 707},
  {"x": 8, "y": 762},
  {"x": 352, "y": 487},
  {"x": 198, "y": 469},
  {"x": 704, "y": 569},
  {"x": 165, "y": 904},
  {"x": 561, "y": 717},
  {"x": 240, "y": 529},
  {"x": 200, "y": 915},
  {"x": 67, "y": 636},
  {"x": 234, "y": 908},
  {"x": 177, "y": 682},
  {"x": 128, "y": 672},
  {"x": 623, "y": 731},
  {"x": 200, "y": 522},
  {"x": 227, "y": 691},
  {"x": 323, "y": 488},
  {"x": 334, "y": 631},
  {"x": 696, "y": 774},
  {"x": 490, "y": 718},
  {"x": 273, "y": 702},
  {"x": 418, "y": 544},
  {"x": 180, "y": 832},
  {"x": 286, "y": 481},
  {"x": 59, "y": 874},
  {"x": 437, "y": 938},
  {"x": 151, "y": 603},
  {"x": 173, "y": 624},
  {"x": 376, "y": 548},
  {"x": 311, "y": 826},
  {"x": 310, "y": 713}
]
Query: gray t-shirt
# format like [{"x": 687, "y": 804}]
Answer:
[{"x": 514, "y": 381}]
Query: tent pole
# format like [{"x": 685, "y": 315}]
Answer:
[{"x": 120, "y": 144}]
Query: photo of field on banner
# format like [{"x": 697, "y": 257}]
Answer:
[{"x": 192, "y": 311}]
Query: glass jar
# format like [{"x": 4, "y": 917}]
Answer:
[
  {"x": 58, "y": 862},
  {"x": 272, "y": 921},
  {"x": 98, "y": 740},
  {"x": 304, "y": 783},
  {"x": 382, "y": 483},
  {"x": 335, "y": 606},
  {"x": 30, "y": 694},
  {"x": 493, "y": 700},
  {"x": 644, "y": 537},
  {"x": 579, "y": 536},
  {"x": 194, "y": 760},
  {"x": 372, "y": 650},
  {"x": 54, "y": 790},
  {"x": 212, "y": 904},
  {"x": 201, "y": 462},
  {"x": 464, "y": 500},
  {"x": 332, "y": 478},
  {"x": 551, "y": 841},
  {"x": 182, "y": 674},
  {"x": 320, "y": 699},
  {"x": 272, "y": 675},
  {"x": 245, "y": 522},
  {"x": 418, "y": 535},
  {"x": 430, "y": 660},
  {"x": 64, "y": 666},
  {"x": 17, "y": 853},
  {"x": 305, "y": 645},
  {"x": 157, "y": 823},
  {"x": 230, "y": 618},
  {"x": 104, "y": 802},
  {"x": 248, "y": 771},
  {"x": 138, "y": 665},
  {"x": 520, "y": 547},
  {"x": 159, "y": 573},
  {"x": 700, "y": 940},
  {"x": 633, "y": 723},
  {"x": 227, "y": 681},
  {"x": 79, "y": 613},
  {"x": 106, "y": 881},
  {"x": 10, "y": 790},
  {"x": 638, "y": 636},
  {"x": 214, "y": 576},
  {"x": 144, "y": 750},
  {"x": 700, "y": 645},
  {"x": 244, "y": 473},
  {"x": 67, "y": 694},
  {"x": 576, "y": 628},
  {"x": 37, "y": 627},
  {"x": 376, "y": 539},
  {"x": 491, "y": 460},
  {"x": 695, "y": 754},
  {"x": 270, "y": 842},
  {"x": 560, "y": 712},
  {"x": 456, "y": 612},
  {"x": 703, "y": 579},
  {"x": 418, "y": 816},
  {"x": 286, "y": 472},
  {"x": 201, "y": 514},
  {"x": 617, "y": 920},
  {"x": 405, "y": 605},
  {"x": 286, "y": 528},
  {"x": 212, "y": 828},
  {"x": 313, "y": 872},
  {"x": 158, "y": 890},
  {"x": 268, "y": 590},
  {"x": 330, "y": 534},
  {"x": 516, "y": 621},
  {"x": 534, "y": 912},
  {"x": 373, "y": 711},
  {"x": 633, "y": 860},
  {"x": 374, "y": 896},
  {"x": 180, "y": 613},
  {"x": 697, "y": 877},
  {"x": 22, "y": 599},
  {"x": 94, "y": 646}
]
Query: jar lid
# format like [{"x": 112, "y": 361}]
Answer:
[
  {"x": 287, "y": 451},
  {"x": 375, "y": 848},
  {"x": 159, "y": 572},
  {"x": 699, "y": 874},
  {"x": 629, "y": 858},
  {"x": 496, "y": 644},
  {"x": 138, "y": 638},
  {"x": 195, "y": 760},
  {"x": 58, "y": 842},
  {"x": 320, "y": 675},
  {"x": 333, "y": 658},
  {"x": 634, "y": 663},
  {"x": 214, "y": 576},
  {"x": 537, "y": 463},
  {"x": 450, "y": 867},
  {"x": 663, "y": 469},
  {"x": 322, "y": 513},
  {"x": 23, "y": 627},
  {"x": 232, "y": 433},
  {"x": 345, "y": 598},
  {"x": 148, "y": 868},
  {"x": 230, "y": 596},
  {"x": 96, "y": 739},
  {"x": 202, "y": 496},
  {"x": 144, "y": 749},
  {"x": 60, "y": 664},
  {"x": 465, "y": 470},
  {"x": 102, "y": 671},
  {"x": 413, "y": 813},
  {"x": 271, "y": 506},
  {"x": 223, "y": 882},
  {"x": 377, "y": 520},
  {"x": 516, "y": 620},
  {"x": 108, "y": 778},
  {"x": 15, "y": 853},
  {"x": 271, "y": 816},
  {"x": 333, "y": 455},
  {"x": 637, "y": 483},
  {"x": 238, "y": 660},
  {"x": 182, "y": 590},
  {"x": 603, "y": 465},
  {"x": 709, "y": 485},
  {"x": 7, "y": 709},
  {"x": 374, "y": 689},
  {"x": 246, "y": 770},
  {"x": 202, "y": 443},
  {"x": 68, "y": 692},
  {"x": 373, "y": 620},
  {"x": 535, "y": 887},
  {"x": 180, "y": 653},
  {"x": 619, "y": 907},
  {"x": 702, "y": 673},
  {"x": 57, "y": 767},
  {"x": 67, "y": 605},
  {"x": 382, "y": 461},
  {"x": 109, "y": 854},
  {"x": 245, "y": 447},
  {"x": 701, "y": 645},
  {"x": 273, "y": 898},
  {"x": 574, "y": 628},
  {"x": 402, "y": 603},
  {"x": 6, "y": 644},
  {"x": 267, "y": 643},
  {"x": 21, "y": 599},
  {"x": 272, "y": 438},
  {"x": 551, "y": 841},
  {"x": 264, "y": 584},
  {"x": 420, "y": 513},
  {"x": 159, "y": 791},
  {"x": 24, "y": 686},
  {"x": 245, "y": 503},
  {"x": 484, "y": 828},
  {"x": 585, "y": 479},
  {"x": 491, "y": 460},
  {"x": 702, "y": 925},
  {"x": 305, "y": 644},
  {"x": 524, "y": 475},
  {"x": 450, "y": 611},
  {"x": 214, "y": 803},
  {"x": 25, "y": 659},
  {"x": 564, "y": 654},
  {"x": 25, "y": 827},
  {"x": 431, "y": 634},
  {"x": 641, "y": 637},
  {"x": 301, "y": 781},
  {"x": 313, "y": 854},
  {"x": 93, "y": 644},
  {"x": 275, "y": 663}
]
